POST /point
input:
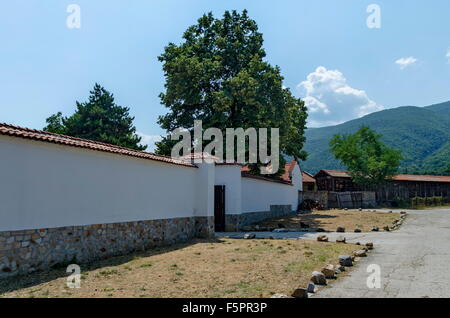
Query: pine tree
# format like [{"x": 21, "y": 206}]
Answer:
[{"x": 99, "y": 119}]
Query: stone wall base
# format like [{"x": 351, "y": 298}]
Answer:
[
  {"x": 26, "y": 251},
  {"x": 235, "y": 222}
]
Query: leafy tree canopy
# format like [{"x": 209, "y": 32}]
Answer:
[
  {"x": 369, "y": 161},
  {"x": 218, "y": 75},
  {"x": 99, "y": 119}
]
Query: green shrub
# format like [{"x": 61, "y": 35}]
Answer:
[
  {"x": 400, "y": 203},
  {"x": 428, "y": 201}
]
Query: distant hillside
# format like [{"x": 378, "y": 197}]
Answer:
[{"x": 421, "y": 133}]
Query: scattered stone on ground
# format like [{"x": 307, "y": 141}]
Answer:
[
  {"x": 320, "y": 229},
  {"x": 329, "y": 271},
  {"x": 360, "y": 209},
  {"x": 369, "y": 245},
  {"x": 360, "y": 253},
  {"x": 386, "y": 228},
  {"x": 357, "y": 229},
  {"x": 279, "y": 296},
  {"x": 339, "y": 268},
  {"x": 300, "y": 293},
  {"x": 318, "y": 278},
  {"x": 340, "y": 229},
  {"x": 249, "y": 236},
  {"x": 402, "y": 212},
  {"x": 345, "y": 260},
  {"x": 322, "y": 238},
  {"x": 375, "y": 229},
  {"x": 358, "y": 243},
  {"x": 311, "y": 288},
  {"x": 340, "y": 239}
]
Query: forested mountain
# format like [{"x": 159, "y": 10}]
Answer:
[{"x": 421, "y": 133}]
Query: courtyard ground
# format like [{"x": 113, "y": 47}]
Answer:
[
  {"x": 201, "y": 268},
  {"x": 329, "y": 220},
  {"x": 412, "y": 262}
]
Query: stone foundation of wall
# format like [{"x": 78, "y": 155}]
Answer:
[
  {"x": 26, "y": 251},
  {"x": 235, "y": 222}
]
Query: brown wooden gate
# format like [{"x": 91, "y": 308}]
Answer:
[{"x": 219, "y": 208}]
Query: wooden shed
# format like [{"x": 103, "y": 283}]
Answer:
[
  {"x": 402, "y": 186},
  {"x": 308, "y": 181}
]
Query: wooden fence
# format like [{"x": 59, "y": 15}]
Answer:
[{"x": 350, "y": 200}]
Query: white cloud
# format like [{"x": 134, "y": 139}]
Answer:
[
  {"x": 448, "y": 56},
  {"x": 404, "y": 62},
  {"x": 148, "y": 140},
  {"x": 331, "y": 100}
]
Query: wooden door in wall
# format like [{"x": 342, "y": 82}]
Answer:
[{"x": 219, "y": 208}]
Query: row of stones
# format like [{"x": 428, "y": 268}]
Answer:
[
  {"x": 29, "y": 250},
  {"x": 330, "y": 271}
]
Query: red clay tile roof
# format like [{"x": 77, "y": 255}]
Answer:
[
  {"x": 252, "y": 176},
  {"x": 204, "y": 156},
  {"x": 228, "y": 164},
  {"x": 200, "y": 155},
  {"x": 285, "y": 177},
  {"x": 423, "y": 178},
  {"x": 336, "y": 173},
  {"x": 39, "y": 135},
  {"x": 288, "y": 167},
  {"x": 398, "y": 177},
  {"x": 306, "y": 177},
  {"x": 245, "y": 169}
]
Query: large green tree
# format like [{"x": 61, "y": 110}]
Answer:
[
  {"x": 218, "y": 75},
  {"x": 99, "y": 119},
  {"x": 368, "y": 159}
]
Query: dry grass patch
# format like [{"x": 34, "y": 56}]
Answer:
[
  {"x": 220, "y": 268},
  {"x": 329, "y": 220}
]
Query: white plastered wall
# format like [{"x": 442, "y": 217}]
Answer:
[
  {"x": 258, "y": 195},
  {"x": 44, "y": 185}
]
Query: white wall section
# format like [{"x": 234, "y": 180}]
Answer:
[
  {"x": 260, "y": 195},
  {"x": 230, "y": 177},
  {"x": 47, "y": 185}
]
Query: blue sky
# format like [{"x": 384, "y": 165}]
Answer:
[{"x": 326, "y": 52}]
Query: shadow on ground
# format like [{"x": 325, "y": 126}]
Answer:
[
  {"x": 25, "y": 281},
  {"x": 313, "y": 221}
]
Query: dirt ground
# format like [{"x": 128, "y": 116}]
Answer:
[
  {"x": 201, "y": 268},
  {"x": 329, "y": 220}
]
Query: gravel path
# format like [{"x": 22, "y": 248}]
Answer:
[{"x": 413, "y": 260}]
